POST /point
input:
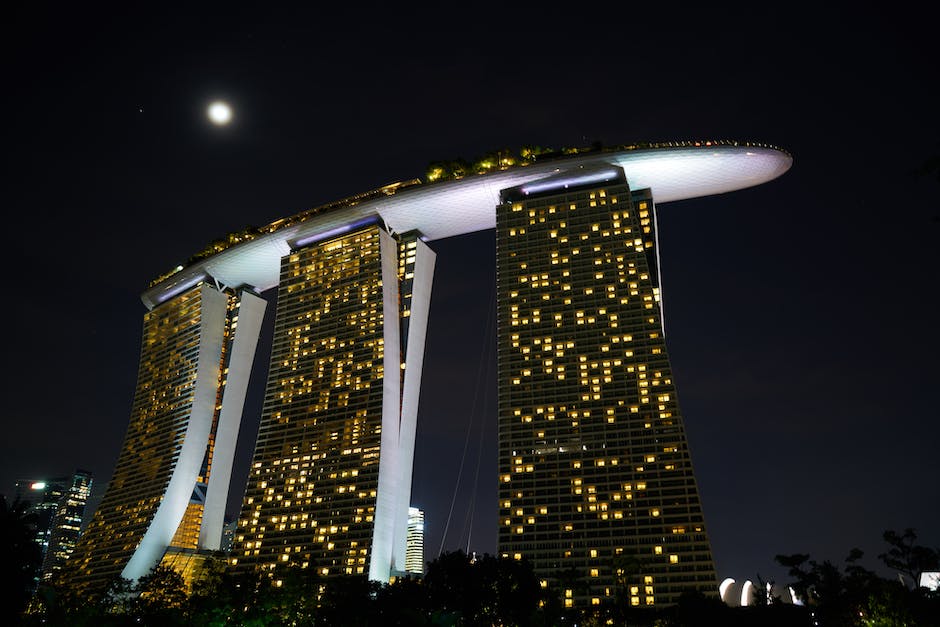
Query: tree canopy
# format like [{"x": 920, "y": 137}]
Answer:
[{"x": 462, "y": 590}]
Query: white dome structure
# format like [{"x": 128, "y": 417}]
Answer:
[{"x": 741, "y": 593}]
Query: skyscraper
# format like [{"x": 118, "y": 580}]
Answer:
[
  {"x": 595, "y": 475},
  {"x": 42, "y": 496},
  {"x": 330, "y": 480},
  {"x": 67, "y": 523},
  {"x": 59, "y": 507},
  {"x": 414, "y": 555},
  {"x": 228, "y": 536},
  {"x": 168, "y": 485}
]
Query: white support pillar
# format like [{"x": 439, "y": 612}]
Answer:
[
  {"x": 414, "y": 363},
  {"x": 172, "y": 507},
  {"x": 389, "y": 471},
  {"x": 244, "y": 343}
]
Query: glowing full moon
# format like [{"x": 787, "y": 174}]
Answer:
[{"x": 219, "y": 113}]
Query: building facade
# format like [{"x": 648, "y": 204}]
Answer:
[
  {"x": 228, "y": 536},
  {"x": 59, "y": 507},
  {"x": 330, "y": 479},
  {"x": 596, "y": 487},
  {"x": 168, "y": 485},
  {"x": 414, "y": 555}
]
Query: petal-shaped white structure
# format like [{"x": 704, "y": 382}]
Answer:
[{"x": 724, "y": 588}]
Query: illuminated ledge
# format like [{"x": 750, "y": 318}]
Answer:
[{"x": 467, "y": 205}]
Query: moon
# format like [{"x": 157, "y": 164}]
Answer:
[{"x": 220, "y": 113}]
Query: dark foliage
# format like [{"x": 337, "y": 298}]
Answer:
[
  {"x": 462, "y": 591},
  {"x": 853, "y": 595},
  {"x": 908, "y": 558},
  {"x": 20, "y": 558}
]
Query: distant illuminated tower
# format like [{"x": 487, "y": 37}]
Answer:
[
  {"x": 414, "y": 556},
  {"x": 42, "y": 497},
  {"x": 330, "y": 480},
  {"x": 67, "y": 523},
  {"x": 595, "y": 474},
  {"x": 59, "y": 507},
  {"x": 195, "y": 360},
  {"x": 228, "y": 536}
]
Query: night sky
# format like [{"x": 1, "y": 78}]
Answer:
[{"x": 801, "y": 315}]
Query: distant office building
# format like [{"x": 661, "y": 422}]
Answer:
[
  {"x": 42, "y": 497},
  {"x": 67, "y": 523},
  {"x": 59, "y": 507},
  {"x": 228, "y": 536},
  {"x": 596, "y": 486},
  {"x": 414, "y": 554}
]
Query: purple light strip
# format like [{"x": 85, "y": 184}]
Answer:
[
  {"x": 595, "y": 177},
  {"x": 346, "y": 228}
]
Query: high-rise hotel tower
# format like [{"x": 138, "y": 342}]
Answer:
[
  {"x": 171, "y": 479},
  {"x": 330, "y": 481},
  {"x": 596, "y": 486},
  {"x": 595, "y": 475}
]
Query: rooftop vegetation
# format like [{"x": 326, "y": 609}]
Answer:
[{"x": 439, "y": 171}]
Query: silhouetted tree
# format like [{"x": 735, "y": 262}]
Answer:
[
  {"x": 835, "y": 596},
  {"x": 115, "y": 604},
  {"x": 57, "y": 604},
  {"x": 511, "y": 590},
  {"x": 160, "y": 597},
  {"x": 486, "y": 591},
  {"x": 293, "y": 601},
  {"x": 762, "y": 594},
  {"x": 404, "y": 603},
  {"x": 449, "y": 584},
  {"x": 908, "y": 558},
  {"x": 348, "y": 600},
  {"x": 217, "y": 594},
  {"x": 20, "y": 558},
  {"x": 695, "y": 608}
]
